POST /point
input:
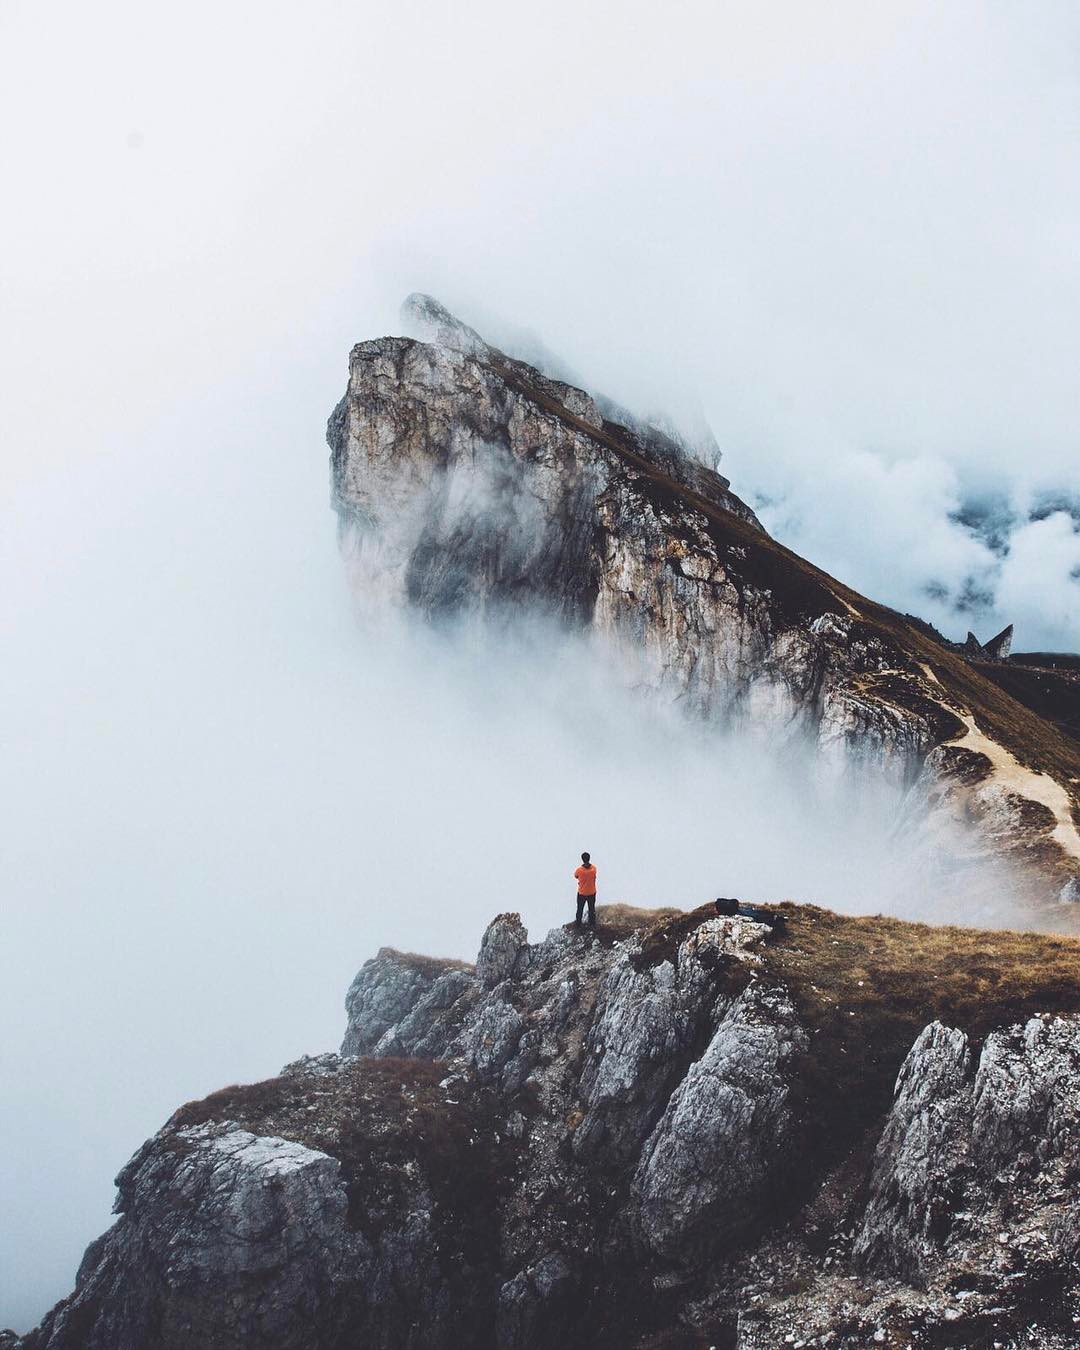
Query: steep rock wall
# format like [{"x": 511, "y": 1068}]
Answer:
[{"x": 470, "y": 485}]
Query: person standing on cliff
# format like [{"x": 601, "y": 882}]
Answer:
[{"x": 585, "y": 876}]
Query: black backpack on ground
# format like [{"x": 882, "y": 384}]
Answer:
[{"x": 766, "y": 916}]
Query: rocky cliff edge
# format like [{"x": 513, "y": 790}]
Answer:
[{"x": 682, "y": 1130}]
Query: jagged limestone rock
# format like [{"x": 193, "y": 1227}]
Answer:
[
  {"x": 611, "y": 1141},
  {"x": 400, "y": 996},
  {"x": 976, "y": 1157},
  {"x": 224, "y": 1239},
  {"x": 428, "y": 319},
  {"x": 923, "y": 1150},
  {"x": 999, "y": 647},
  {"x": 638, "y": 1043},
  {"x": 726, "y": 1136},
  {"x": 536, "y": 1306},
  {"x": 503, "y": 943},
  {"x": 493, "y": 1038},
  {"x": 430, "y": 1026},
  {"x": 645, "y": 1028},
  {"x": 996, "y": 649},
  {"x": 317, "y": 1066},
  {"x": 385, "y": 989}
]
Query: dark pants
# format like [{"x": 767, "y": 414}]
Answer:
[{"x": 582, "y": 900}]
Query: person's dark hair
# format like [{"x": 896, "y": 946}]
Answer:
[{"x": 585, "y": 858}]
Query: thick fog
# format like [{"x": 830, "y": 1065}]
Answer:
[
  {"x": 847, "y": 237},
  {"x": 221, "y": 796}
]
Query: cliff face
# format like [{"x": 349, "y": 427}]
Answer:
[
  {"x": 683, "y": 1130},
  {"x": 470, "y": 484}
]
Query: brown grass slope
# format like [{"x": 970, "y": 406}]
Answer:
[
  {"x": 865, "y": 987},
  {"x": 1053, "y": 694}
]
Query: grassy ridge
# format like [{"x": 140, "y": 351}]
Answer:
[{"x": 799, "y": 591}]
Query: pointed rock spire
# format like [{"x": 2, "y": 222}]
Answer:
[{"x": 998, "y": 648}]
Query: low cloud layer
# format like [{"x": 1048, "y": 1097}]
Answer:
[{"x": 221, "y": 796}]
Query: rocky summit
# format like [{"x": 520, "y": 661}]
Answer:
[
  {"x": 470, "y": 484},
  {"x": 680, "y": 1130}
]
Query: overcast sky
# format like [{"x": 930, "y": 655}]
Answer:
[{"x": 847, "y": 233}]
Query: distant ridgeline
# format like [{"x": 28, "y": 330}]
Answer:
[
  {"x": 1046, "y": 682},
  {"x": 997, "y": 649}
]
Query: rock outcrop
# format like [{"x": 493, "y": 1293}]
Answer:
[
  {"x": 980, "y": 1156},
  {"x": 682, "y": 1130},
  {"x": 733, "y": 1104},
  {"x": 470, "y": 484},
  {"x": 226, "y": 1239},
  {"x": 996, "y": 649}
]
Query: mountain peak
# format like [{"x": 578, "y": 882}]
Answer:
[
  {"x": 426, "y": 318},
  {"x": 470, "y": 483}
]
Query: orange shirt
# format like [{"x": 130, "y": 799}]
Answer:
[{"x": 586, "y": 880}]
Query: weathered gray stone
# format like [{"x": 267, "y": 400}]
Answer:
[
  {"x": 428, "y": 1029},
  {"x": 1026, "y": 1094},
  {"x": 535, "y": 1308},
  {"x": 646, "y": 1024},
  {"x": 404, "y": 994},
  {"x": 224, "y": 1239},
  {"x": 975, "y": 1158},
  {"x": 314, "y": 1066},
  {"x": 503, "y": 943},
  {"x": 492, "y": 1038},
  {"x": 921, "y": 1156},
  {"x": 385, "y": 989},
  {"x": 726, "y": 1135},
  {"x": 634, "y": 1054}
]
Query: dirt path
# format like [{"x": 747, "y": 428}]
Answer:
[
  {"x": 1015, "y": 777},
  {"x": 1037, "y": 787}
]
